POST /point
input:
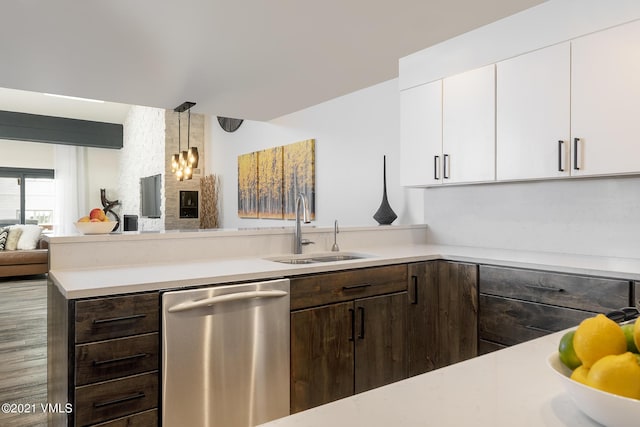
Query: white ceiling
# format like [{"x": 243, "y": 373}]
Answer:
[{"x": 250, "y": 59}]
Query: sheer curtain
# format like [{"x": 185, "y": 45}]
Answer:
[{"x": 70, "y": 187}]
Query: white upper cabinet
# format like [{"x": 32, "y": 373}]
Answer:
[
  {"x": 468, "y": 126},
  {"x": 605, "y": 101},
  {"x": 421, "y": 134},
  {"x": 533, "y": 114}
]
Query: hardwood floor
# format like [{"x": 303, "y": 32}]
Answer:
[{"x": 23, "y": 350}]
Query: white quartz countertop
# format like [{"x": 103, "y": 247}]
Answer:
[
  {"x": 92, "y": 282},
  {"x": 510, "y": 387}
]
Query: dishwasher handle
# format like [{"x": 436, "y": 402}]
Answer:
[{"x": 208, "y": 302}]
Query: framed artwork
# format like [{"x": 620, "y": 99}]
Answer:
[
  {"x": 270, "y": 183},
  {"x": 270, "y": 180},
  {"x": 248, "y": 185},
  {"x": 299, "y": 176}
]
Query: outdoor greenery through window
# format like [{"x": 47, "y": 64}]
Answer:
[{"x": 27, "y": 196}]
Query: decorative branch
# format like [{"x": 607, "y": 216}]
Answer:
[{"x": 210, "y": 189}]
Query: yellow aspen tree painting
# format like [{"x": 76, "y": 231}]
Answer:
[
  {"x": 299, "y": 176},
  {"x": 248, "y": 185},
  {"x": 270, "y": 183}
]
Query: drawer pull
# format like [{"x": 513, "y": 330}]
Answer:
[
  {"x": 545, "y": 288},
  {"x": 118, "y": 319},
  {"x": 414, "y": 279},
  {"x": 353, "y": 324},
  {"x": 352, "y": 287},
  {"x": 361, "y": 334},
  {"x": 119, "y": 359},
  {"x": 560, "y": 164},
  {"x": 535, "y": 328},
  {"x": 138, "y": 395}
]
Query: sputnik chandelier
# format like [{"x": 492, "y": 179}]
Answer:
[{"x": 183, "y": 163}]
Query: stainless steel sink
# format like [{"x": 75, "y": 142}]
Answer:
[
  {"x": 340, "y": 257},
  {"x": 316, "y": 258}
]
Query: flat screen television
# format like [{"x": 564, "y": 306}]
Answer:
[{"x": 150, "y": 196}]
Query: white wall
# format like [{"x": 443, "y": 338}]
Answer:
[
  {"x": 103, "y": 171},
  {"x": 21, "y": 154},
  {"x": 352, "y": 134},
  {"x": 598, "y": 216},
  {"x": 142, "y": 155}
]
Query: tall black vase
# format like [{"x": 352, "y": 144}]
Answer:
[{"x": 384, "y": 215}]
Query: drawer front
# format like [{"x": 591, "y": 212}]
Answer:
[
  {"x": 121, "y": 357},
  {"x": 328, "y": 288},
  {"x": 114, "y": 399},
  {"x": 144, "y": 419},
  {"x": 509, "y": 322},
  {"x": 115, "y": 317},
  {"x": 566, "y": 290}
]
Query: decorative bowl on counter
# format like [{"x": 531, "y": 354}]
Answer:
[
  {"x": 606, "y": 408},
  {"x": 95, "y": 227}
]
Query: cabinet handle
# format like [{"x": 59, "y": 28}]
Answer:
[
  {"x": 444, "y": 166},
  {"x": 352, "y": 287},
  {"x": 118, "y": 319},
  {"x": 119, "y": 359},
  {"x": 575, "y": 153},
  {"x": 353, "y": 323},
  {"x": 361, "y": 335},
  {"x": 435, "y": 167},
  {"x": 414, "y": 279},
  {"x": 545, "y": 288},
  {"x": 535, "y": 328},
  {"x": 560, "y": 144},
  {"x": 138, "y": 395}
]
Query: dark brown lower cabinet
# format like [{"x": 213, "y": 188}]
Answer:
[
  {"x": 348, "y": 333},
  {"x": 345, "y": 348},
  {"x": 322, "y": 355},
  {"x": 103, "y": 359},
  {"x": 442, "y": 314},
  {"x": 517, "y": 305}
]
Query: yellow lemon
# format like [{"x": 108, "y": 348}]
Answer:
[
  {"x": 617, "y": 374},
  {"x": 636, "y": 333},
  {"x": 580, "y": 374},
  {"x": 567, "y": 353},
  {"x": 597, "y": 337}
]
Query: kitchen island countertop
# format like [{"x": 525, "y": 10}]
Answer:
[
  {"x": 109, "y": 280},
  {"x": 510, "y": 387}
]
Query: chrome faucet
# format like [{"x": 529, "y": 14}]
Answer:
[
  {"x": 335, "y": 247},
  {"x": 298, "y": 241}
]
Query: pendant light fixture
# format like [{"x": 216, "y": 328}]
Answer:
[{"x": 183, "y": 163}]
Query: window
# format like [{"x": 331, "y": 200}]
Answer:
[{"x": 27, "y": 196}]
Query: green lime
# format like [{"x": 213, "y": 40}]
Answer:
[
  {"x": 567, "y": 353},
  {"x": 628, "y": 334}
]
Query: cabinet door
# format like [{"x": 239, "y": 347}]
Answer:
[
  {"x": 422, "y": 317},
  {"x": 380, "y": 345},
  {"x": 458, "y": 312},
  {"x": 322, "y": 355},
  {"x": 468, "y": 131},
  {"x": 421, "y": 134},
  {"x": 532, "y": 114},
  {"x": 605, "y": 89}
]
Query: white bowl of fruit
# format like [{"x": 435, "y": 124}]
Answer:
[
  {"x": 96, "y": 222},
  {"x": 599, "y": 367}
]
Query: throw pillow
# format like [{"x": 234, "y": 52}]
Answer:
[
  {"x": 12, "y": 238},
  {"x": 4, "y": 232},
  {"x": 29, "y": 237}
]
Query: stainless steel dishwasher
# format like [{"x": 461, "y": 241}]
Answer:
[{"x": 225, "y": 355}]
